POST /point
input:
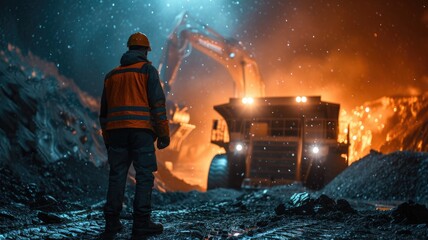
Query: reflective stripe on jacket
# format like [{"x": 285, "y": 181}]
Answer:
[{"x": 133, "y": 98}]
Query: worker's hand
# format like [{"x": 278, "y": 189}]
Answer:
[
  {"x": 105, "y": 138},
  {"x": 163, "y": 142}
]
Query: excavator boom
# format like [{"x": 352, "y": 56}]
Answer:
[
  {"x": 190, "y": 33},
  {"x": 187, "y": 34}
]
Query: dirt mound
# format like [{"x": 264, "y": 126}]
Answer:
[
  {"x": 399, "y": 176},
  {"x": 66, "y": 180},
  {"x": 43, "y": 115}
]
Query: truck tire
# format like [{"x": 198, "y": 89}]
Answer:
[{"x": 218, "y": 176}]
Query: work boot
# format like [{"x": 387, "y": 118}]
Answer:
[
  {"x": 112, "y": 227},
  {"x": 145, "y": 226}
]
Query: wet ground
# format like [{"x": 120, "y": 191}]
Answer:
[
  {"x": 226, "y": 214},
  {"x": 63, "y": 200}
]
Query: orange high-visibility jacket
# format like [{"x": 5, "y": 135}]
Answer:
[{"x": 133, "y": 98}]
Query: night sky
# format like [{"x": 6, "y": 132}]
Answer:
[{"x": 345, "y": 51}]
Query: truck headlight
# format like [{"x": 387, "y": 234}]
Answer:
[
  {"x": 301, "y": 99},
  {"x": 315, "y": 149},
  {"x": 248, "y": 100},
  {"x": 238, "y": 147},
  {"x": 318, "y": 151}
]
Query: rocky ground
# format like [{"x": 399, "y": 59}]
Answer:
[
  {"x": 67, "y": 204},
  {"x": 226, "y": 214}
]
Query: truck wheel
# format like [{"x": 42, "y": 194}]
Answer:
[{"x": 218, "y": 176}]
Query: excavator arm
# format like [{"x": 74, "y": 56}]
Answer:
[{"x": 190, "y": 33}]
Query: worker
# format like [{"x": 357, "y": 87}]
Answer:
[{"x": 132, "y": 117}]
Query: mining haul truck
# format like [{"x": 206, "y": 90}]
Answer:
[
  {"x": 268, "y": 140},
  {"x": 276, "y": 140}
]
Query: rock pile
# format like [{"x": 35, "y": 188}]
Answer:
[{"x": 399, "y": 176}]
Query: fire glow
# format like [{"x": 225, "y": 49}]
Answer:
[{"x": 385, "y": 125}]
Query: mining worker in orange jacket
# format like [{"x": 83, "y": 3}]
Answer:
[{"x": 132, "y": 117}]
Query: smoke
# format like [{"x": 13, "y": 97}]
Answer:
[
  {"x": 347, "y": 52},
  {"x": 329, "y": 77}
]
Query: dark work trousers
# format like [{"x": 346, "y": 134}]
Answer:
[{"x": 128, "y": 146}]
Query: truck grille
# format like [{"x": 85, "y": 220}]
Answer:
[{"x": 273, "y": 159}]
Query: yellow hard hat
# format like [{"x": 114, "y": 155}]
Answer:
[{"x": 139, "y": 39}]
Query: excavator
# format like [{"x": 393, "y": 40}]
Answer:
[
  {"x": 268, "y": 140},
  {"x": 187, "y": 34},
  {"x": 230, "y": 53}
]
